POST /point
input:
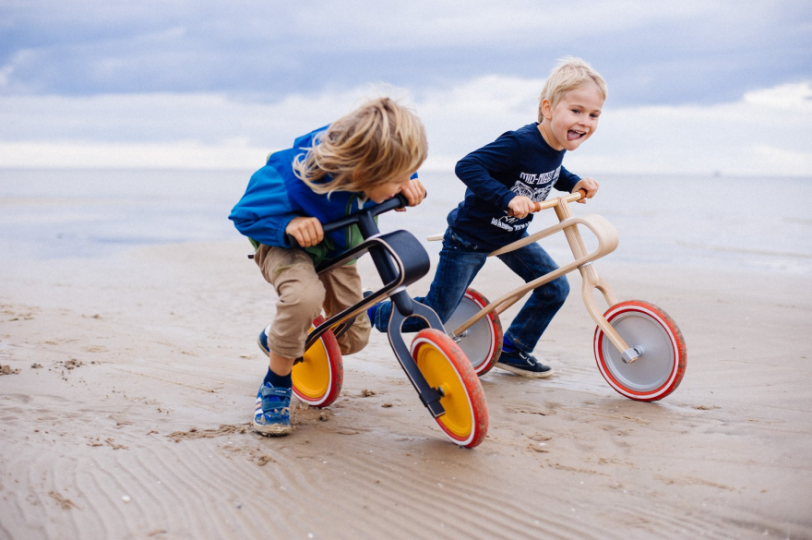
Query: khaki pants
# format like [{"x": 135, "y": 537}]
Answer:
[{"x": 302, "y": 295}]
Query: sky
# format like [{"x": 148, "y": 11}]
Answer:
[{"x": 695, "y": 87}]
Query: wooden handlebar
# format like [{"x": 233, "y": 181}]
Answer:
[{"x": 539, "y": 206}]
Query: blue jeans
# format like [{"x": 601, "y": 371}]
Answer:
[{"x": 460, "y": 261}]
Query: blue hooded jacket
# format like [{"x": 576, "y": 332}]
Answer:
[{"x": 275, "y": 195}]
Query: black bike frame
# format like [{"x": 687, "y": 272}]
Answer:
[{"x": 400, "y": 260}]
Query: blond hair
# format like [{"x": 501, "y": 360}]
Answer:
[
  {"x": 366, "y": 148},
  {"x": 569, "y": 74}
]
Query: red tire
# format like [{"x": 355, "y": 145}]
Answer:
[
  {"x": 317, "y": 379},
  {"x": 446, "y": 368},
  {"x": 661, "y": 366},
  {"x": 482, "y": 342}
]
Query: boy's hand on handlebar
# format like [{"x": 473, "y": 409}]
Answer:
[
  {"x": 519, "y": 206},
  {"x": 590, "y": 185},
  {"x": 306, "y": 230},
  {"x": 414, "y": 193}
]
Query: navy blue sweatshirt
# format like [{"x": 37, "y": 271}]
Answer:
[{"x": 517, "y": 163}]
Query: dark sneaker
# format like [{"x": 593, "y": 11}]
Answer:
[
  {"x": 262, "y": 340},
  {"x": 272, "y": 413},
  {"x": 373, "y": 309},
  {"x": 523, "y": 364}
]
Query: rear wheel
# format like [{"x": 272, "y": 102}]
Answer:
[
  {"x": 482, "y": 342},
  {"x": 446, "y": 369},
  {"x": 317, "y": 379},
  {"x": 661, "y": 366}
]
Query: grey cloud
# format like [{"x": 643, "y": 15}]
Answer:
[{"x": 650, "y": 52}]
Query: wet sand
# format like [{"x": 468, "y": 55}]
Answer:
[{"x": 131, "y": 381}]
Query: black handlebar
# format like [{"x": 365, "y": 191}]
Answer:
[
  {"x": 398, "y": 201},
  {"x": 366, "y": 224}
]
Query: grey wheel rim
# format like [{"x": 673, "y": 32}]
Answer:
[
  {"x": 654, "y": 367},
  {"x": 477, "y": 341}
]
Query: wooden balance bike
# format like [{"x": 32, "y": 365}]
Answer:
[
  {"x": 638, "y": 347},
  {"x": 435, "y": 365}
]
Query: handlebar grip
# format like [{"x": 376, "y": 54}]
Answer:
[{"x": 398, "y": 201}]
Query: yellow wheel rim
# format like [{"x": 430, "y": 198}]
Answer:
[
  {"x": 440, "y": 373},
  {"x": 311, "y": 377}
]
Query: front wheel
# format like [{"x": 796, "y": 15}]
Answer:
[
  {"x": 661, "y": 366},
  {"x": 318, "y": 377},
  {"x": 482, "y": 342},
  {"x": 446, "y": 369}
]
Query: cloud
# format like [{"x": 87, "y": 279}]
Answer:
[
  {"x": 764, "y": 132},
  {"x": 667, "y": 52},
  {"x": 104, "y": 155},
  {"x": 787, "y": 97}
]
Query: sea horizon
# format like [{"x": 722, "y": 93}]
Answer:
[{"x": 715, "y": 220}]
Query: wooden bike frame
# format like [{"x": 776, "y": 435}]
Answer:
[{"x": 607, "y": 238}]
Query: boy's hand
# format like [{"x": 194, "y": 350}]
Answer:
[
  {"x": 414, "y": 193},
  {"x": 590, "y": 185},
  {"x": 306, "y": 230},
  {"x": 519, "y": 206}
]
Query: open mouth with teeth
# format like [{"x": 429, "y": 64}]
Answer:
[{"x": 573, "y": 135}]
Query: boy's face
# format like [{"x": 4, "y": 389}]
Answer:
[
  {"x": 574, "y": 119},
  {"x": 384, "y": 192}
]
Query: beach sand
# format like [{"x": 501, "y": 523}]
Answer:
[{"x": 132, "y": 378}]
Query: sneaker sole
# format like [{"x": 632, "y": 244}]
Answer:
[
  {"x": 272, "y": 430},
  {"x": 524, "y": 372},
  {"x": 263, "y": 349}
]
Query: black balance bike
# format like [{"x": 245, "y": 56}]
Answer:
[{"x": 436, "y": 366}]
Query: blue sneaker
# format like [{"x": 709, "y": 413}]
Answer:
[
  {"x": 373, "y": 309},
  {"x": 523, "y": 364},
  {"x": 272, "y": 414},
  {"x": 262, "y": 340}
]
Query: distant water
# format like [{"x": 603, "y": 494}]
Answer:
[{"x": 743, "y": 223}]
